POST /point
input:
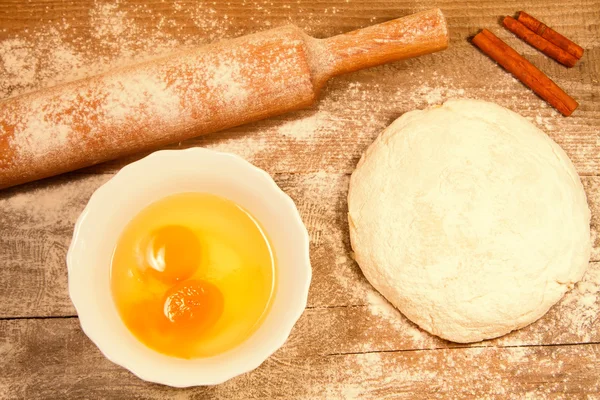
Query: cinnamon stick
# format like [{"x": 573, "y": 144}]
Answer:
[
  {"x": 543, "y": 45},
  {"x": 550, "y": 34},
  {"x": 526, "y": 72}
]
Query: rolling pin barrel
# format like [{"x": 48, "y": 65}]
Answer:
[{"x": 184, "y": 95}]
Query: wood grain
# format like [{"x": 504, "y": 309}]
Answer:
[
  {"x": 350, "y": 343},
  {"x": 45, "y": 358}
]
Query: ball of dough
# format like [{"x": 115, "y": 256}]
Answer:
[{"x": 468, "y": 219}]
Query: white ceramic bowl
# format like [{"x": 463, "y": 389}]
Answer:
[{"x": 137, "y": 185}]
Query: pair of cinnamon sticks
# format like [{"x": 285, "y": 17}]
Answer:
[{"x": 545, "y": 39}]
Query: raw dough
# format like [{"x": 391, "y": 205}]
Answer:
[{"x": 469, "y": 219}]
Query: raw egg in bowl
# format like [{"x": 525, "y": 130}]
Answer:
[{"x": 189, "y": 267}]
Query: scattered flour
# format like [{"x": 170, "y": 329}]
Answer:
[
  {"x": 48, "y": 55},
  {"x": 305, "y": 127},
  {"x": 248, "y": 147},
  {"x": 18, "y": 61},
  {"x": 380, "y": 307},
  {"x": 518, "y": 354},
  {"x": 435, "y": 95},
  {"x": 412, "y": 336},
  {"x": 108, "y": 21},
  {"x": 543, "y": 121},
  {"x": 48, "y": 205},
  {"x": 27, "y": 65},
  {"x": 580, "y": 308}
]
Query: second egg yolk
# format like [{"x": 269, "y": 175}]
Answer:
[
  {"x": 193, "y": 304},
  {"x": 171, "y": 254}
]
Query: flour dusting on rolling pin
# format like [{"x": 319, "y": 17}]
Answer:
[{"x": 184, "y": 95}]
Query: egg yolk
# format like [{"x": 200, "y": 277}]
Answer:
[
  {"x": 193, "y": 305},
  {"x": 171, "y": 254}
]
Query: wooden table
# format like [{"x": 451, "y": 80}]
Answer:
[{"x": 350, "y": 343}]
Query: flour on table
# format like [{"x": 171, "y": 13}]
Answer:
[
  {"x": 46, "y": 57},
  {"x": 543, "y": 122},
  {"x": 48, "y": 206},
  {"x": 107, "y": 20},
  {"x": 379, "y": 307},
  {"x": 435, "y": 95},
  {"x": 18, "y": 61},
  {"x": 305, "y": 128},
  {"x": 50, "y": 55},
  {"x": 580, "y": 308},
  {"x": 249, "y": 147}
]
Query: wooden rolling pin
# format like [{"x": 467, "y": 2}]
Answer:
[{"x": 218, "y": 86}]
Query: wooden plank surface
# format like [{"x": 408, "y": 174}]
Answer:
[
  {"x": 350, "y": 343},
  {"x": 57, "y": 348}
]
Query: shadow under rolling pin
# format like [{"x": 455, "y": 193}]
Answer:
[{"x": 218, "y": 86}]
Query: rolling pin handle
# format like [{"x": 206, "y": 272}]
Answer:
[{"x": 411, "y": 36}]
